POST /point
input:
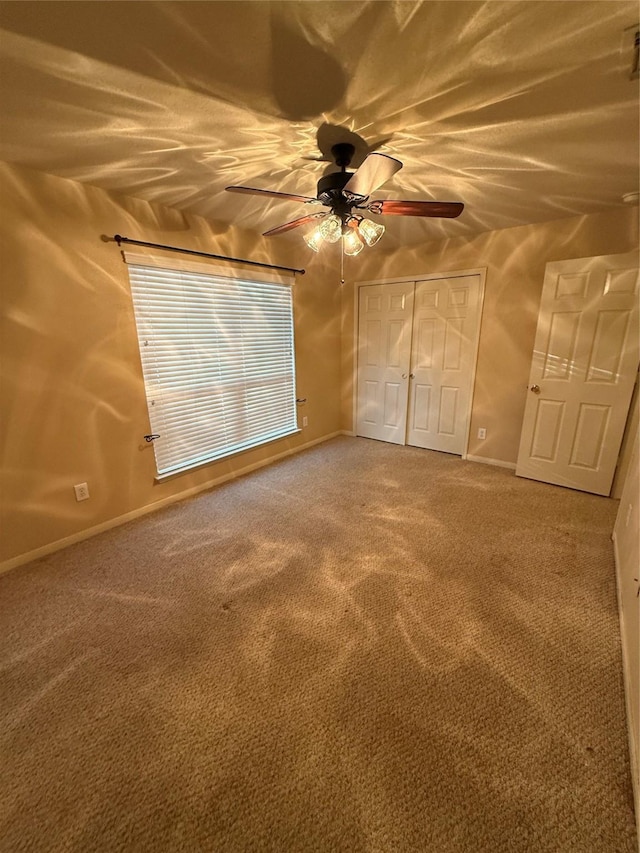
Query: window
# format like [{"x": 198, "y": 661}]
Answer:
[{"x": 218, "y": 360}]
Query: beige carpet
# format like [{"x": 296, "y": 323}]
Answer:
[{"x": 361, "y": 648}]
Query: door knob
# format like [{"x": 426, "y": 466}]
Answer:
[
  {"x": 535, "y": 389},
  {"x": 404, "y": 375},
  {"x": 412, "y": 376}
]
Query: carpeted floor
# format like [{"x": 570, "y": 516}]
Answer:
[{"x": 361, "y": 648}]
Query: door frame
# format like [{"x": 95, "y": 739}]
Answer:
[{"x": 479, "y": 271}]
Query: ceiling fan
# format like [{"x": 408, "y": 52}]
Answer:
[{"x": 345, "y": 193}]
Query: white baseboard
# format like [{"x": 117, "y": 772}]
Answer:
[
  {"x": 88, "y": 532},
  {"x": 634, "y": 745},
  {"x": 348, "y": 432},
  {"x": 486, "y": 461}
]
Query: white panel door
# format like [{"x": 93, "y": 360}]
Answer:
[
  {"x": 582, "y": 373},
  {"x": 445, "y": 326},
  {"x": 384, "y": 350}
]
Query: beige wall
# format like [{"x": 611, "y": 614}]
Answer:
[
  {"x": 72, "y": 401},
  {"x": 514, "y": 259},
  {"x": 72, "y": 397},
  {"x": 627, "y": 552},
  {"x": 630, "y": 435}
]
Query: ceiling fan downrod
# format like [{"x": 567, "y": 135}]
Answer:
[{"x": 343, "y": 154}]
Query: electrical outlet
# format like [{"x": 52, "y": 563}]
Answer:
[
  {"x": 482, "y": 433},
  {"x": 305, "y": 421},
  {"x": 629, "y": 51},
  {"x": 82, "y": 492}
]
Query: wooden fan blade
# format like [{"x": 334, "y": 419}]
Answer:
[
  {"x": 295, "y": 223},
  {"x": 376, "y": 169},
  {"x": 270, "y": 193},
  {"x": 444, "y": 209}
]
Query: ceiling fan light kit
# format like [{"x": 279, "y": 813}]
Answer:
[
  {"x": 351, "y": 242},
  {"x": 371, "y": 231},
  {"x": 313, "y": 239},
  {"x": 331, "y": 228},
  {"x": 355, "y": 232},
  {"x": 345, "y": 192}
]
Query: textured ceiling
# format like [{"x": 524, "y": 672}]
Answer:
[{"x": 522, "y": 110}]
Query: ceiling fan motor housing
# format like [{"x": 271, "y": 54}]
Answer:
[
  {"x": 330, "y": 192},
  {"x": 330, "y": 186}
]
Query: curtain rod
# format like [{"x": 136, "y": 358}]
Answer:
[{"x": 119, "y": 240}]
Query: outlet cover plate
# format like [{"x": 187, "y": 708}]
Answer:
[{"x": 82, "y": 492}]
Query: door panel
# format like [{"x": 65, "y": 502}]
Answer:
[
  {"x": 608, "y": 346},
  {"x": 582, "y": 373},
  {"x": 563, "y": 332},
  {"x": 373, "y": 336},
  {"x": 384, "y": 349},
  {"x": 453, "y": 341},
  {"x": 546, "y": 431},
  {"x": 421, "y": 407},
  {"x": 448, "y": 410},
  {"x": 396, "y": 354},
  {"x": 589, "y": 436},
  {"x": 393, "y": 413},
  {"x": 446, "y": 316}
]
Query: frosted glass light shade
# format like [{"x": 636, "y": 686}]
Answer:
[
  {"x": 352, "y": 243},
  {"x": 331, "y": 228},
  {"x": 314, "y": 239},
  {"x": 371, "y": 231}
]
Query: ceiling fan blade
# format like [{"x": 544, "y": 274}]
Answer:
[
  {"x": 444, "y": 209},
  {"x": 270, "y": 193},
  {"x": 295, "y": 223},
  {"x": 376, "y": 169}
]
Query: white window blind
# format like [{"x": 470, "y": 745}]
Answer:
[{"x": 218, "y": 362}]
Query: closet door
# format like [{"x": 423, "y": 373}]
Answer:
[
  {"x": 384, "y": 351},
  {"x": 445, "y": 328}
]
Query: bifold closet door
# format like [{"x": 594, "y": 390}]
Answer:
[
  {"x": 384, "y": 353},
  {"x": 445, "y": 322}
]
